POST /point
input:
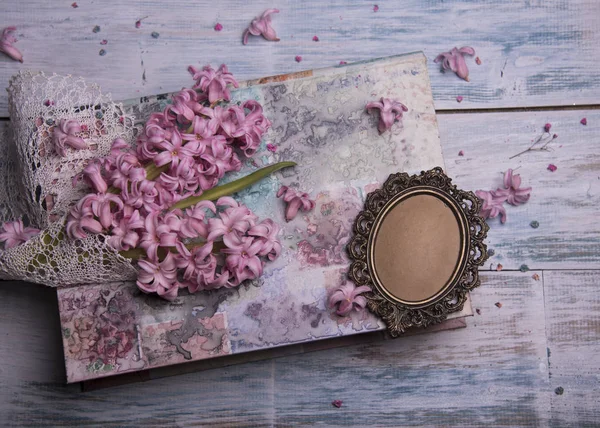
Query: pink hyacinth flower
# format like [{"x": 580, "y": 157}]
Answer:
[
  {"x": 242, "y": 258},
  {"x": 193, "y": 224},
  {"x": 231, "y": 223},
  {"x": 492, "y": 205},
  {"x": 295, "y": 202},
  {"x": 92, "y": 174},
  {"x": 261, "y": 26},
  {"x": 266, "y": 232},
  {"x": 141, "y": 194},
  {"x": 159, "y": 233},
  {"x": 513, "y": 192},
  {"x": 390, "y": 111},
  {"x": 159, "y": 277},
  {"x": 102, "y": 205},
  {"x": 455, "y": 61},
  {"x": 349, "y": 298},
  {"x": 6, "y": 44},
  {"x": 14, "y": 233},
  {"x": 65, "y": 135},
  {"x": 81, "y": 220},
  {"x": 214, "y": 83},
  {"x": 174, "y": 151},
  {"x": 185, "y": 105},
  {"x": 123, "y": 235}
]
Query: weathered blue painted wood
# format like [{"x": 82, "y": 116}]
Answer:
[{"x": 533, "y": 52}]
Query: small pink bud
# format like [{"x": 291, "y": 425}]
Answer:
[
  {"x": 271, "y": 147},
  {"x": 552, "y": 167},
  {"x": 459, "y": 98},
  {"x": 477, "y": 61},
  {"x": 583, "y": 121},
  {"x": 298, "y": 58},
  {"x": 547, "y": 127},
  {"x": 375, "y": 8},
  {"x": 103, "y": 42},
  {"x": 555, "y": 136},
  {"x": 74, "y": 5},
  {"x": 315, "y": 38},
  {"x": 337, "y": 403},
  {"x": 218, "y": 27},
  {"x": 343, "y": 63},
  {"x": 461, "y": 153}
]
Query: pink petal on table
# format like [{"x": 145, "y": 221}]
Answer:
[
  {"x": 459, "y": 99},
  {"x": 218, "y": 27},
  {"x": 547, "y": 127},
  {"x": 337, "y": 403},
  {"x": 461, "y": 153},
  {"x": 552, "y": 167},
  {"x": 343, "y": 63},
  {"x": 375, "y": 8},
  {"x": 315, "y": 38},
  {"x": 298, "y": 58},
  {"x": 477, "y": 61},
  {"x": 74, "y": 5},
  {"x": 583, "y": 121}
]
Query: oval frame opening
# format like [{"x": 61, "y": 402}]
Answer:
[{"x": 463, "y": 247}]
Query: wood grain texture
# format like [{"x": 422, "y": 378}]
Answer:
[
  {"x": 564, "y": 202},
  {"x": 573, "y": 329},
  {"x": 492, "y": 372},
  {"x": 533, "y": 52}
]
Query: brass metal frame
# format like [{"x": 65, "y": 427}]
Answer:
[{"x": 398, "y": 314}]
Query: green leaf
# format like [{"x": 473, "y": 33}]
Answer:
[{"x": 233, "y": 187}]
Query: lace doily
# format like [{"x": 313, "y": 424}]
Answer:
[{"x": 37, "y": 183}]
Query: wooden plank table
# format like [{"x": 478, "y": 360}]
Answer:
[{"x": 535, "y": 361}]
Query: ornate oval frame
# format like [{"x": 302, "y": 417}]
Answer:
[{"x": 397, "y": 314}]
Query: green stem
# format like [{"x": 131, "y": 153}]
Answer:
[
  {"x": 138, "y": 253},
  {"x": 233, "y": 187}
]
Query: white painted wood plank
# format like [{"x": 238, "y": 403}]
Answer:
[
  {"x": 573, "y": 329},
  {"x": 533, "y": 52},
  {"x": 564, "y": 202},
  {"x": 492, "y": 373}
]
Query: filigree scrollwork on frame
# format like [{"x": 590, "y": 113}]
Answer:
[{"x": 397, "y": 313}]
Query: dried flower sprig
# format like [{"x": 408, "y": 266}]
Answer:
[{"x": 541, "y": 143}]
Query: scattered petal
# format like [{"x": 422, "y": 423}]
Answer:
[
  {"x": 498, "y": 304},
  {"x": 271, "y": 147},
  {"x": 343, "y": 63},
  {"x": 477, "y": 61},
  {"x": 96, "y": 29},
  {"x": 155, "y": 35},
  {"x": 390, "y": 111},
  {"x": 536, "y": 277},
  {"x": 103, "y": 42},
  {"x": 138, "y": 23},
  {"x": 74, "y": 5},
  {"x": 102, "y": 52},
  {"x": 499, "y": 267},
  {"x": 296, "y": 201},
  {"x": 261, "y": 26},
  {"x": 524, "y": 268},
  {"x": 547, "y": 127},
  {"x": 375, "y": 8},
  {"x": 459, "y": 99},
  {"x": 555, "y": 136},
  {"x": 454, "y": 60},
  {"x": 315, "y": 38},
  {"x": 583, "y": 121},
  {"x": 552, "y": 167},
  {"x": 6, "y": 44},
  {"x": 218, "y": 27},
  {"x": 478, "y": 311},
  {"x": 535, "y": 224},
  {"x": 337, "y": 403},
  {"x": 48, "y": 103},
  {"x": 461, "y": 153},
  {"x": 298, "y": 58}
]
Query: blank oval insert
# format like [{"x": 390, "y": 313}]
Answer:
[{"x": 417, "y": 248}]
